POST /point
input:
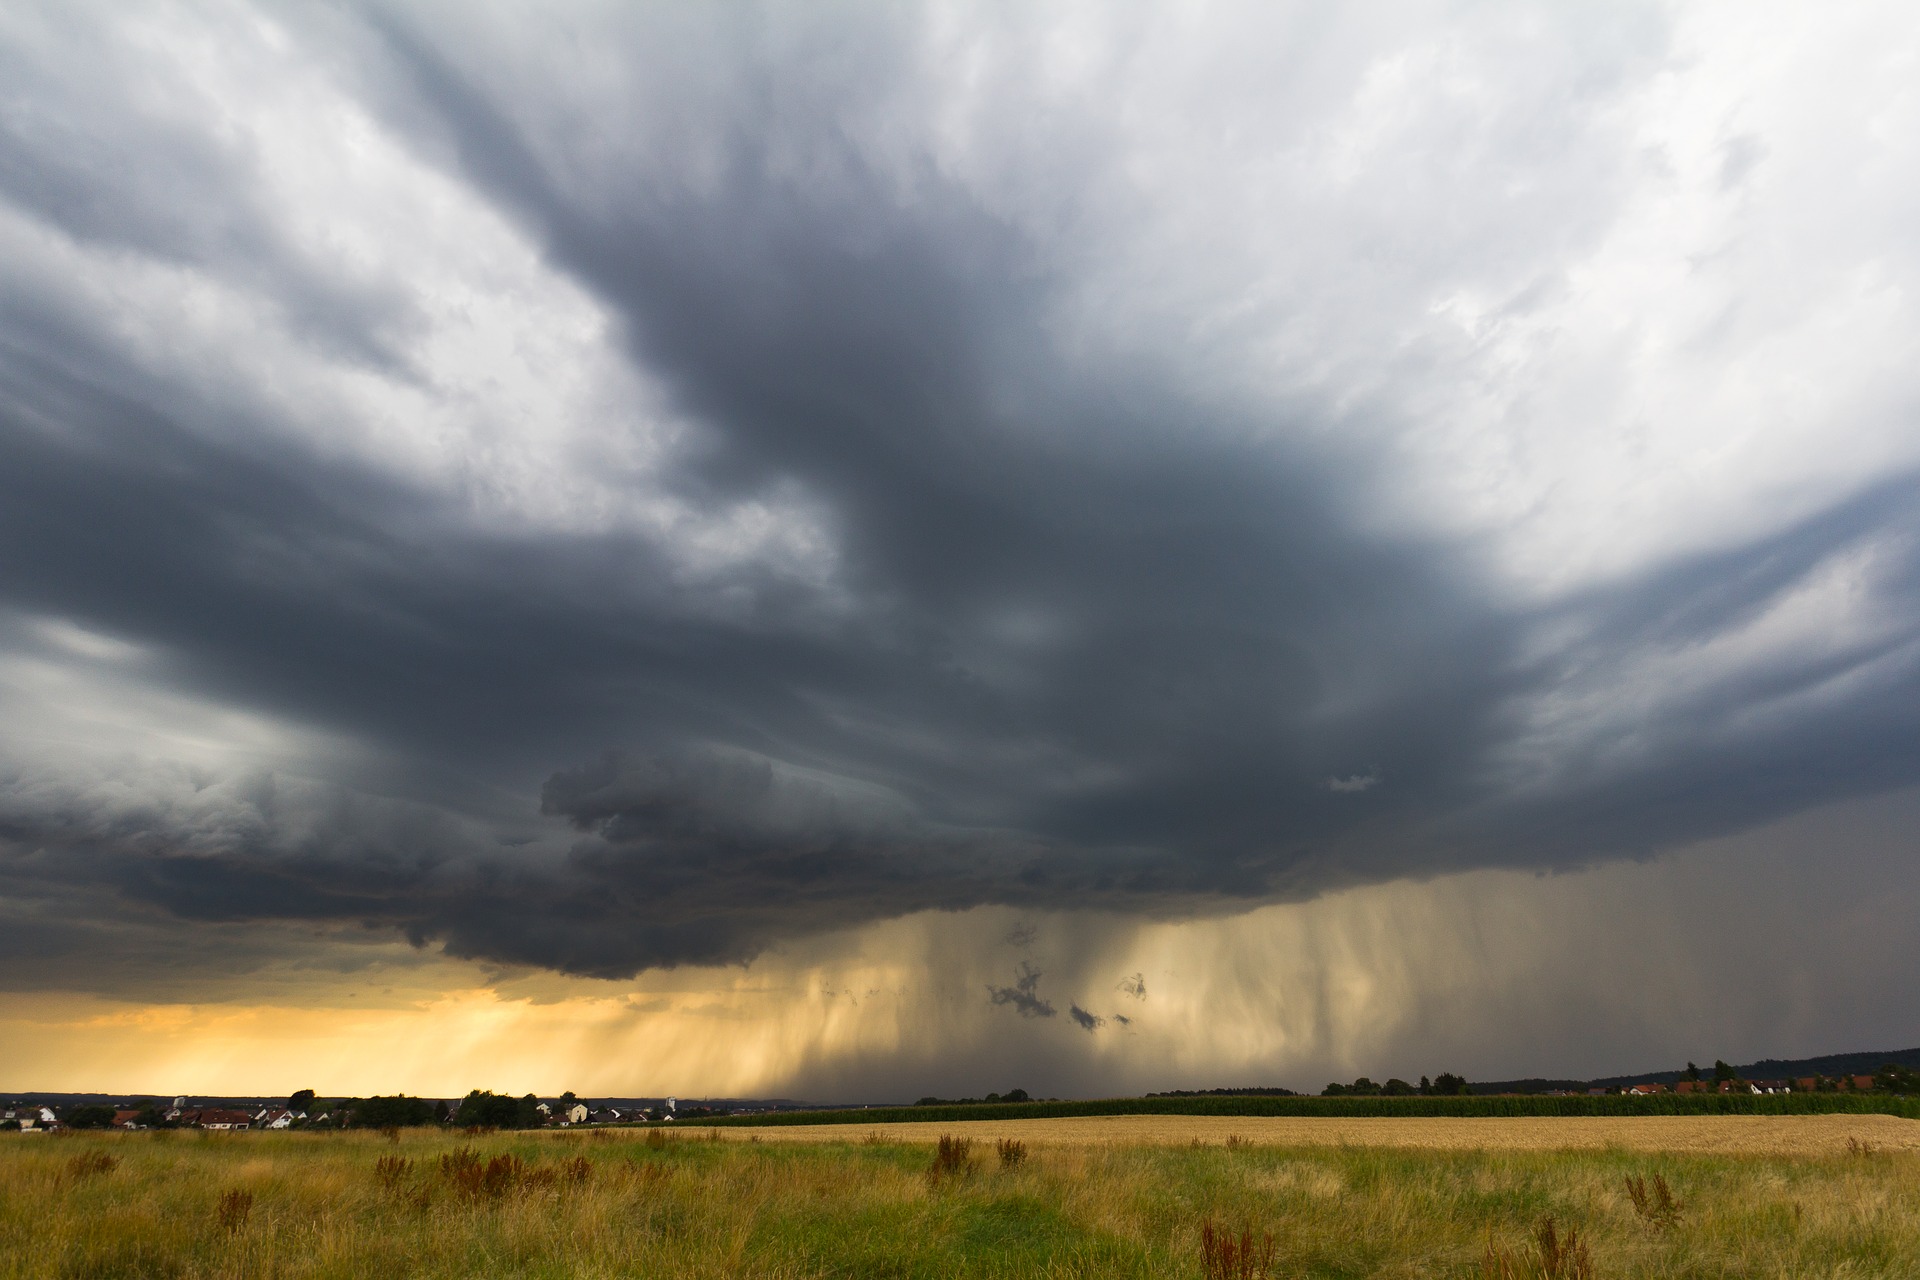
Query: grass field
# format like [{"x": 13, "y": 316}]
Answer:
[{"x": 1171, "y": 1197}]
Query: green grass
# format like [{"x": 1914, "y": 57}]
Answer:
[{"x": 695, "y": 1206}]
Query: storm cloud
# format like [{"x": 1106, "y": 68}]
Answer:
[{"x": 637, "y": 488}]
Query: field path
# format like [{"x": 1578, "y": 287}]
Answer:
[{"x": 1747, "y": 1135}]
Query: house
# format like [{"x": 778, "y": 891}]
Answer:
[
  {"x": 31, "y": 1118},
  {"x": 219, "y": 1118},
  {"x": 125, "y": 1117},
  {"x": 1651, "y": 1087},
  {"x": 1807, "y": 1084},
  {"x": 577, "y": 1113},
  {"x": 279, "y": 1119},
  {"x": 1863, "y": 1082},
  {"x": 1692, "y": 1086},
  {"x": 604, "y": 1115}
]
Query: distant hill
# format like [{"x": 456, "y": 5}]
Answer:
[{"x": 1832, "y": 1064}]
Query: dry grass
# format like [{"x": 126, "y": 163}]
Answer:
[
  {"x": 691, "y": 1206},
  {"x": 1730, "y": 1135}
]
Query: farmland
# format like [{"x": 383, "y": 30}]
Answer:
[{"x": 1143, "y": 1196}]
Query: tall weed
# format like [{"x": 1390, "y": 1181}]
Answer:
[
  {"x": 233, "y": 1209},
  {"x": 953, "y": 1158},
  {"x": 1225, "y": 1256},
  {"x": 1654, "y": 1202},
  {"x": 1553, "y": 1257}
]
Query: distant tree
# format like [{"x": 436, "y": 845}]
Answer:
[
  {"x": 300, "y": 1100},
  {"x": 88, "y": 1117},
  {"x": 399, "y": 1111},
  {"x": 1426, "y": 1085},
  {"x": 1692, "y": 1072},
  {"x": 1895, "y": 1078},
  {"x": 1449, "y": 1085},
  {"x": 1721, "y": 1071},
  {"x": 1396, "y": 1088},
  {"x": 494, "y": 1110},
  {"x": 1015, "y": 1095},
  {"x": 440, "y": 1112},
  {"x": 1361, "y": 1088}
]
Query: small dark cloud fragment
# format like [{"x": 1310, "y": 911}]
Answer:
[
  {"x": 1086, "y": 1021},
  {"x": 1134, "y": 985},
  {"x": 1024, "y": 994}
]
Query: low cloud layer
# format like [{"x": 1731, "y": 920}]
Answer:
[{"x": 644, "y": 489}]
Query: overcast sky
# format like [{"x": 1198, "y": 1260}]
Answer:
[{"x": 1103, "y": 544}]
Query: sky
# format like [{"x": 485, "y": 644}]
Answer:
[{"x": 850, "y": 552}]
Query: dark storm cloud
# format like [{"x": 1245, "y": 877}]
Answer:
[{"x": 1097, "y": 637}]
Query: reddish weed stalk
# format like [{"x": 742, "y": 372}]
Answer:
[
  {"x": 1654, "y": 1202},
  {"x": 90, "y": 1164},
  {"x": 233, "y": 1209},
  {"x": 1225, "y": 1256},
  {"x": 1554, "y": 1257},
  {"x": 952, "y": 1159}
]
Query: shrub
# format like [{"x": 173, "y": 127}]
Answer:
[{"x": 1012, "y": 1152}]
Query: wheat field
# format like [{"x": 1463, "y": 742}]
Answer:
[
  {"x": 1742, "y": 1135},
  {"x": 1189, "y": 1199}
]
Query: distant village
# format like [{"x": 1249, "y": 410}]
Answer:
[{"x": 304, "y": 1111}]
